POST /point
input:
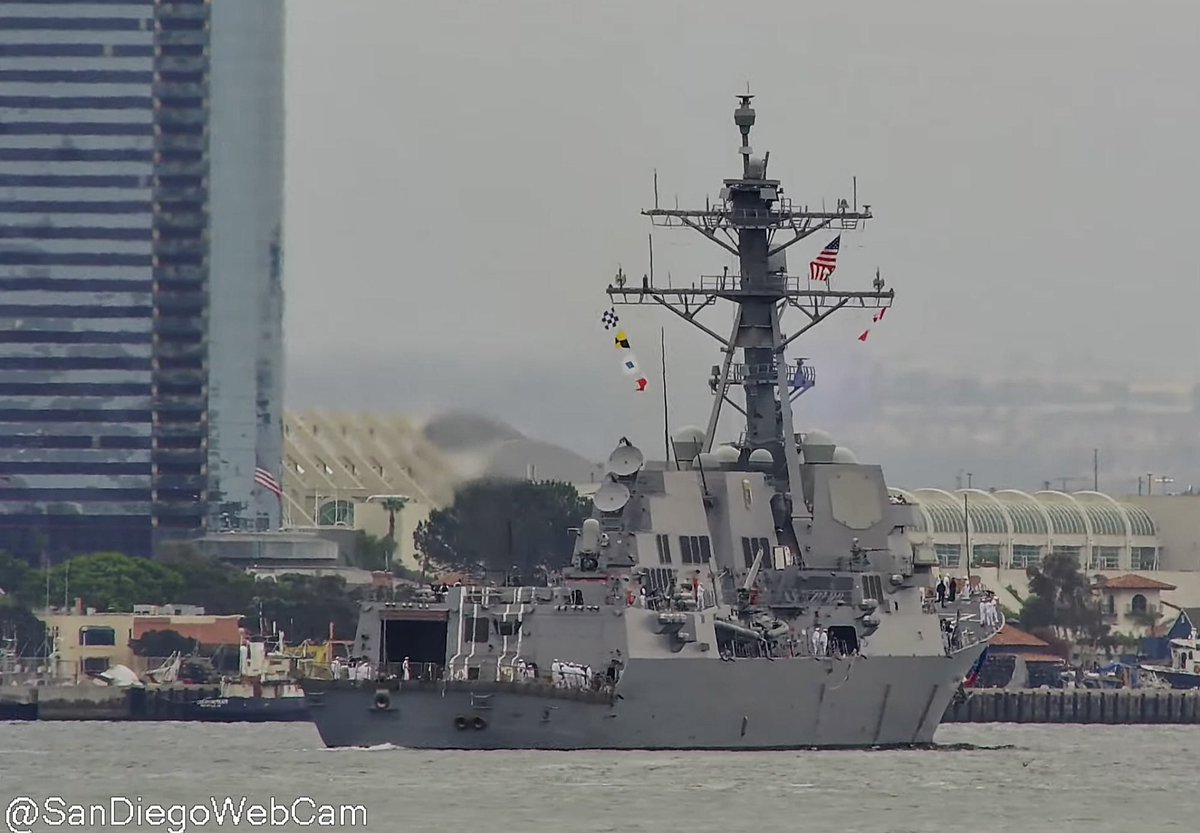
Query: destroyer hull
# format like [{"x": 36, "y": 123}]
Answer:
[
  {"x": 749, "y": 704},
  {"x": 249, "y": 710}
]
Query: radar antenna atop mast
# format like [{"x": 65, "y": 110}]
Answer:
[{"x": 743, "y": 117}]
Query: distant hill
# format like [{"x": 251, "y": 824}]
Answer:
[{"x": 482, "y": 446}]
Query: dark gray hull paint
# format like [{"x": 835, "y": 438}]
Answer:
[{"x": 681, "y": 704}]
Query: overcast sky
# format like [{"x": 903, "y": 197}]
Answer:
[{"x": 465, "y": 177}]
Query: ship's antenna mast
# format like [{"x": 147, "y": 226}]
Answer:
[{"x": 747, "y": 221}]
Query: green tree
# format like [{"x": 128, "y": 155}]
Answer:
[
  {"x": 162, "y": 644},
  {"x": 111, "y": 581},
  {"x": 1061, "y": 598},
  {"x": 371, "y": 553},
  {"x": 218, "y": 588},
  {"x": 304, "y": 607},
  {"x": 392, "y": 505},
  {"x": 494, "y": 525},
  {"x": 16, "y": 577}
]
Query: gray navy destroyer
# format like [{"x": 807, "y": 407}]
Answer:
[{"x": 760, "y": 594}]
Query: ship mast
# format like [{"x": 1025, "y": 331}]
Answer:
[{"x": 755, "y": 222}]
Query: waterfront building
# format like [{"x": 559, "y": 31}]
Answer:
[
  {"x": 140, "y": 251},
  {"x": 1011, "y": 529},
  {"x": 87, "y": 643},
  {"x": 1131, "y": 603}
]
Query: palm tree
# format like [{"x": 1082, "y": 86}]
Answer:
[{"x": 392, "y": 505}]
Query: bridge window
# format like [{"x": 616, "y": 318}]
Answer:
[
  {"x": 659, "y": 579},
  {"x": 507, "y": 627},
  {"x": 751, "y": 547},
  {"x": 475, "y": 629},
  {"x": 694, "y": 549},
  {"x": 664, "y": 548}
]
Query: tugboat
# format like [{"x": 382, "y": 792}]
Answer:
[
  {"x": 265, "y": 690},
  {"x": 1184, "y": 670},
  {"x": 760, "y": 594}
]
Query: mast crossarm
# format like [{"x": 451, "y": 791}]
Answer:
[
  {"x": 687, "y": 315},
  {"x": 816, "y": 318},
  {"x": 715, "y": 217},
  {"x": 734, "y": 405},
  {"x": 729, "y": 287},
  {"x": 711, "y": 233},
  {"x": 799, "y": 234}
]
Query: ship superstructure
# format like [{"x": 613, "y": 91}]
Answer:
[{"x": 751, "y": 595}]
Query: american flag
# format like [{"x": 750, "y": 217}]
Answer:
[
  {"x": 267, "y": 480},
  {"x": 821, "y": 268}
]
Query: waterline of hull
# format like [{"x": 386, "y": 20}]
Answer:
[{"x": 756, "y": 704}]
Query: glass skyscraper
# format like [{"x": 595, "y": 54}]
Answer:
[{"x": 141, "y": 153}]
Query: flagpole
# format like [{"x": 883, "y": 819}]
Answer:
[
  {"x": 666, "y": 418},
  {"x": 967, "y": 534}
]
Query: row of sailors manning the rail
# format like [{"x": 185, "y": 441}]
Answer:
[{"x": 350, "y": 670}]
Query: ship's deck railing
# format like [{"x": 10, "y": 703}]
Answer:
[
  {"x": 428, "y": 671},
  {"x": 733, "y": 283},
  {"x": 390, "y": 676},
  {"x": 482, "y": 688},
  {"x": 961, "y": 639},
  {"x": 478, "y": 594}
]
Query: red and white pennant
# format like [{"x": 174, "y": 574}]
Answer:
[{"x": 875, "y": 319}]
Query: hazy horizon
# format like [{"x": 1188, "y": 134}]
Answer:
[{"x": 464, "y": 179}]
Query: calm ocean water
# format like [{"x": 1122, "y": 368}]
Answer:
[{"x": 989, "y": 778}]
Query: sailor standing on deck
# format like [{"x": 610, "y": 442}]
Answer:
[
  {"x": 941, "y": 591},
  {"x": 824, "y": 648},
  {"x": 405, "y": 671},
  {"x": 816, "y": 641}
]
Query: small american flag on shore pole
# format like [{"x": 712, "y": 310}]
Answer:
[{"x": 267, "y": 480}]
